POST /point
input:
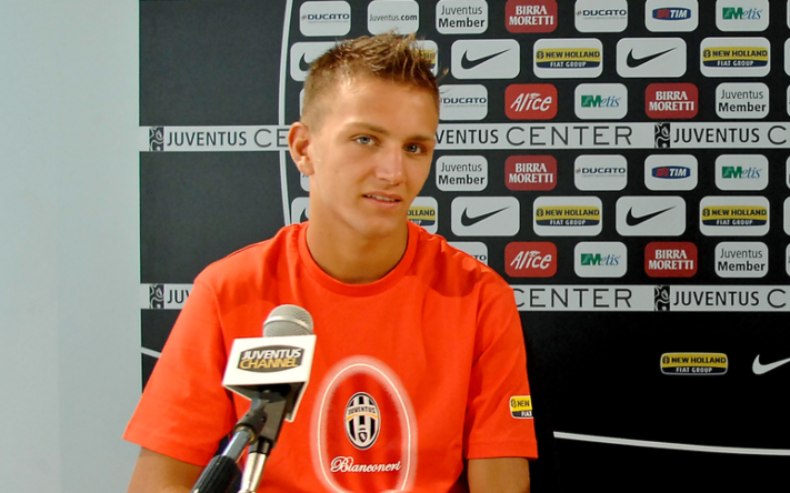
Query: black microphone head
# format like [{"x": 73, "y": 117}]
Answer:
[{"x": 288, "y": 320}]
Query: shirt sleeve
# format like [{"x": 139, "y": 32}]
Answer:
[
  {"x": 185, "y": 411},
  {"x": 499, "y": 419}
]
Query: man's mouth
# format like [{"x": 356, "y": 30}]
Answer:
[{"x": 382, "y": 198}]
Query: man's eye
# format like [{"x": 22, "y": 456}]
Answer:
[
  {"x": 414, "y": 148},
  {"x": 364, "y": 139}
]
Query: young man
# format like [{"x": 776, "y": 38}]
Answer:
[{"x": 419, "y": 350}]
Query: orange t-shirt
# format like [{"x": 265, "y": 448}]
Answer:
[{"x": 412, "y": 374}]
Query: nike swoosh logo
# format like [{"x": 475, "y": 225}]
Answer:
[
  {"x": 760, "y": 368},
  {"x": 634, "y": 62},
  {"x": 304, "y": 65},
  {"x": 470, "y": 63},
  {"x": 632, "y": 220},
  {"x": 467, "y": 220}
]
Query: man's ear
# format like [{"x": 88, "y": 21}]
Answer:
[{"x": 299, "y": 145}]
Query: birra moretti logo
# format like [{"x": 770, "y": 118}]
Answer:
[{"x": 267, "y": 359}]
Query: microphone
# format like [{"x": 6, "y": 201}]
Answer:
[{"x": 272, "y": 372}]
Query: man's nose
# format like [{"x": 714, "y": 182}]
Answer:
[{"x": 390, "y": 167}]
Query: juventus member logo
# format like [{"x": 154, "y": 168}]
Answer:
[{"x": 362, "y": 420}]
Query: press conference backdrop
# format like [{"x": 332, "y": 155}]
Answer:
[{"x": 624, "y": 165}]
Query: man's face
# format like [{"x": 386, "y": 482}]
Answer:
[{"x": 368, "y": 157}]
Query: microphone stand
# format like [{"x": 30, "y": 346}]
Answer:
[
  {"x": 222, "y": 471},
  {"x": 261, "y": 448}
]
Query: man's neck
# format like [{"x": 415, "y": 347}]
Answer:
[{"x": 358, "y": 260}]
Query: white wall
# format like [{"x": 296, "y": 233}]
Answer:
[{"x": 69, "y": 243}]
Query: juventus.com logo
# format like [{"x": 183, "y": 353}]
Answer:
[{"x": 362, "y": 420}]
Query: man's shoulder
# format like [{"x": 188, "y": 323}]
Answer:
[
  {"x": 250, "y": 260},
  {"x": 451, "y": 264}
]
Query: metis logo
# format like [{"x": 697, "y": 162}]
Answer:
[
  {"x": 331, "y": 18},
  {"x": 741, "y": 172},
  {"x": 747, "y": 100},
  {"x": 463, "y": 102},
  {"x": 598, "y": 16},
  {"x": 485, "y": 59},
  {"x": 665, "y": 101},
  {"x": 268, "y": 359},
  {"x": 531, "y": 16},
  {"x": 741, "y": 259},
  {"x": 746, "y": 15},
  {"x": 600, "y": 259},
  {"x": 568, "y": 58},
  {"x": 530, "y": 259},
  {"x": 531, "y": 172},
  {"x": 671, "y": 15},
  {"x": 670, "y": 259},
  {"x": 567, "y": 216},
  {"x": 735, "y": 57},
  {"x": 601, "y": 101},
  {"x": 734, "y": 215},
  {"x": 666, "y": 172},
  {"x": 531, "y": 101},
  {"x": 363, "y": 420},
  {"x": 461, "y": 16}
]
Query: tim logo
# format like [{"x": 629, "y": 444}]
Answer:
[
  {"x": 661, "y": 136},
  {"x": 156, "y": 296},
  {"x": 363, "y": 420},
  {"x": 661, "y": 298},
  {"x": 156, "y": 138}
]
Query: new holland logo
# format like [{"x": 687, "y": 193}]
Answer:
[
  {"x": 422, "y": 215},
  {"x": 567, "y": 216},
  {"x": 423, "y": 211},
  {"x": 568, "y": 58},
  {"x": 362, "y": 420},
  {"x": 269, "y": 359},
  {"x": 734, "y": 215},
  {"x": 521, "y": 406},
  {"x": 694, "y": 363},
  {"x": 735, "y": 57}
]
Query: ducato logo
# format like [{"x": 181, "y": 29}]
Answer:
[
  {"x": 601, "y": 15},
  {"x": 326, "y": 18},
  {"x": 269, "y": 359},
  {"x": 362, "y": 420},
  {"x": 463, "y": 102}
]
